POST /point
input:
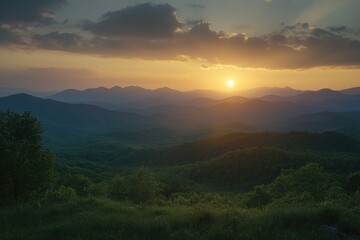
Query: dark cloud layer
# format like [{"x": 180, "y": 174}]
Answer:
[
  {"x": 59, "y": 41},
  {"x": 28, "y": 11},
  {"x": 145, "y": 20},
  {"x": 196, "y": 6},
  {"x": 153, "y": 32},
  {"x": 7, "y": 36}
]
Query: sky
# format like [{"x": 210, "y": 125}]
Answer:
[{"x": 48, "y": 45}]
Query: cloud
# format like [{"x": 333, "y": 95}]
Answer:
[
  {"x": 292, "y": 47},
  {"x": 13, "y": 35},
  {"x": 59, "y": 41},
  {"x": 45, "y": 79},
  {"x": 145, "y": 20},
  {"x": 28, "y": 11},
  {"x": 7, "y": 36},
  {"x": 152, "y": 32},
  {"x": 196, "y": 6},
  {"x": 202, "y": 30}
]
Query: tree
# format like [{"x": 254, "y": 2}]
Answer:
[
  {"x": 80, "y": 183},
  {"x": 61, "y": 195},
  {"x": 310, "y": 180},
  {"x": 142, "y": 186},
  {"x": 352, "y": 183},
  {"x": 26, "y": 167},
  {"x": 118, "y": 188},
  {"x": 258, "y": 198}
]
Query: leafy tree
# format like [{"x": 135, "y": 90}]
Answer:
[
  {"x": 310, "y": 179},
  {"x": 258, "y": 198},
  {"x": 27, "y": 169},
  {"x": 80, "y": 183},
  {"x": 352, "y": 183},
  {"x": 118, "y": 188},
  {"x": 142, "y": 186},
  {"x": 98, "y": 189},
  {"x": 61, "y": 195}
]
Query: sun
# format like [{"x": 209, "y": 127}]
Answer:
[{"x": 230, "y": 83}]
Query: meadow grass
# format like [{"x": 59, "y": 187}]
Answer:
[{"x": 106, "y": 219}]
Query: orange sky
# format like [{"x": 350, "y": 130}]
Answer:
[
  {"x": 182, "y": 75},
  {"x": 55, "y": 45}
]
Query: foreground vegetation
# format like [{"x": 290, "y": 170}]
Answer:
[
  {"x": 240, "y": 186},
  {"x": 106, "y": 219}
]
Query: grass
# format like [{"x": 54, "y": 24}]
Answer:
[{"x": 105, "y": 219}]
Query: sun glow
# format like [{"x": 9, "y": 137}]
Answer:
[{"x": 230, "y": 83}]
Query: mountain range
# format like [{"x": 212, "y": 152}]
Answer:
[{"x": 136, "y": 113}]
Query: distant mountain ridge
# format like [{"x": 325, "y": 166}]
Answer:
[
  {"x": 75, "y": 115},
  {"x": 264, "y": 91},
  {"x": 130, "y": 107},
  {"x": 118, "y": 96},
  {"x": 128, "y": 97},
  {"x": 4, "y": 92}
]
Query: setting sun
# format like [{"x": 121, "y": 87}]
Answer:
[{"x": 230, "y": 83}]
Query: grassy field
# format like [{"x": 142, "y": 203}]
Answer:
[{"x": 93, "y": 218}]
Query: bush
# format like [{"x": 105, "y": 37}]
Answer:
[
  {"x": 98, "y": 190},
  {"x": 352, "y": 183},
  {"x": 309, "y": 179},
  {"x": 61, "y": 195},
  {"x": 80, "y": 184},
  {"x": 201, "y": 214},
  {"x": 143, "y": 186},
  {"x": 258, "y": 198},
  {"x": 118, "y": 188}
]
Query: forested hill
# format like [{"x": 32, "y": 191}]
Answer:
[
  {"x": 214, "y": 147},
  {"x": 71, "y": 115}
]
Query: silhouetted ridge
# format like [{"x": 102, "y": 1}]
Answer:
[{"x": 77, "y": 115}]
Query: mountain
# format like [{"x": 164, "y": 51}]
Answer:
[
  {"x": 211, "y": 148},
  {"x": 256, "y": 113},
  {"x": 207, "y": 102},
  {"x": 320, "y": 95},
  {"x": 4, "y": 92},
  {"x": 264, "y": 91},
  {"x": 58, "y": 116},
  {"x": 347, "y": 123},
  {"x": 351, "y": 91},
  {"x": 137, "y": 97},
  {"x": 118, "y": 97},
  {"x": 325, "y": 99}
]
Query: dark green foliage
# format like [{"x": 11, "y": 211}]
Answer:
[
  {"x": 215, "y": 147},
  {"x": 60, "y": 195},
  {"x": 246, "y": 168},
  {"x": 258, "y": 198},
  {"x": 195, "y": 190},
  {"x": 98, "y": 189},
  {"x": 26, "y": 167},
  {"x": 202, "y": 214},
  {"x": 352, "y": 183},
  {"x": 118, "y": 188},
  {"x": 139, "y": 187},
  {"x": 80, "y": 183},
  {"x": 142, "y": 186},
  {"x": 310, "y": 179},
  {"x": 109, "y": 220}
]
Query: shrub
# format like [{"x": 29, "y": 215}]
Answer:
[
  {"x": 118, "y": 188},
  {"x": 61, "y": 195},
  {"x": 352, "y": 183},
  {"x": 258, "y": 198}
]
